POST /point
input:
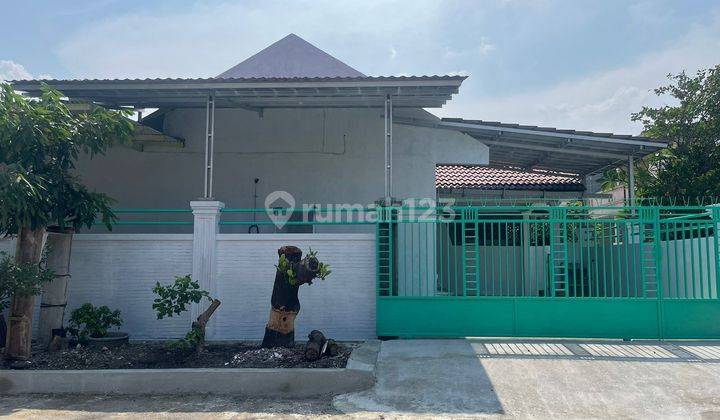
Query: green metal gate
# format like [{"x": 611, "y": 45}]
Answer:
[{"x": 548, "y": 271}]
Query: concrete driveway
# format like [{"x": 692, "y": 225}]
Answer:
[{"x": 542, "y": 379}]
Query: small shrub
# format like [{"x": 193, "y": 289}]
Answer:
[
  {"x": 90, "y": 321},
  {"x": 22, "y": 279},
  {"x": 174, "y": 299}
]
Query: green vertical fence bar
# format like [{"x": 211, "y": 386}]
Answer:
[
  {"x": 715, "y": 214},
  {"x": 558, "y": 251},
  {"x": 597, "y": 259}
]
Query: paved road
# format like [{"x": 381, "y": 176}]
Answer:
[
  {"x": 464, "y": 379},
  {"x": 501, "y": 378}
]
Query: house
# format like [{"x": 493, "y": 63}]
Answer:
[{"x": 200, "y": 185}]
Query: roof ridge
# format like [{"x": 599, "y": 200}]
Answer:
[{"x": 290, "y": 56}]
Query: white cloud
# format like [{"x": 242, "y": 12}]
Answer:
[
  {"x": 204, "y": 39},
  {"x": 10, "y": 70},
  {"x": 485, "y": 47},
  {"x": 393, "y": 52},
  {"x": 600, "y": 102}
]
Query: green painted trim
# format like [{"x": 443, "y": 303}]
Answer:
[
  {"x": 148, "y": 211},
  {"x": 543, "y": 317}
]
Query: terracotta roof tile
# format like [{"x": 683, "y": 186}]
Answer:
[{"x": 486, "y": 178}]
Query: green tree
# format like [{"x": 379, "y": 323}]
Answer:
[
  {"x": 613, "y": 178},
  {"x": 690, "y": 166},
  {"x": 40, "y": 141}
]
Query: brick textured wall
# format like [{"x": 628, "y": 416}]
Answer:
[
  {"x": 120, "y": 270},
  {"x": 343, "y": 306}
]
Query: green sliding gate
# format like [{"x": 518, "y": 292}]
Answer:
[{"x": 554, "y": 271}]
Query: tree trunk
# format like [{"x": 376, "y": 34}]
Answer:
[
  {"x": 202, "y": 321},
  {"x": 19, "y": 335},
  {"x": 280, "y": 329},
  {"x": 54, "y": 294},
  {"x": 3, "y": 330}
]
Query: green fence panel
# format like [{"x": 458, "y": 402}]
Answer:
[
  {"x": 444, "y": 317},
  {"x": 587, "y": 318},
  {"x": 551, "y": 271},
  {"x": 691, "y": 318}
]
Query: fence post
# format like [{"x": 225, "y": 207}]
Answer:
[
  {"x": 715, "y": 212},
  {"x": 206, "y": 215},
  {"x": 651, "y": 216}
]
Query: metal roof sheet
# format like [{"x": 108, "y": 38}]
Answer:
[
  {"x": 545, "y": 148},
  {"x": 263, "y": 92}
]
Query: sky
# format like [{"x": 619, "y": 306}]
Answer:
[{"x": 580, "y": 64}]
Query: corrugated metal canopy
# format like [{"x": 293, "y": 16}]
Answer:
[
  {"x": 345, "y": 92},
  {"x": 531, "y": 147}
]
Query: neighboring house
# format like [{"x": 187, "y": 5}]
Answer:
[
  {"x": 520, "y": 255},
  {"x": 473, "y": 183}
]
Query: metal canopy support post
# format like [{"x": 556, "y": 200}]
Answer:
[
  {"x": 209, "y": 145},
  {"x": 631, "y": 181},
  {"x": 388, "y": 114}
]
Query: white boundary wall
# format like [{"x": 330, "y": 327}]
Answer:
[
  {"x": 343, "y": 306},
  {"x": 120, "y": 270}
]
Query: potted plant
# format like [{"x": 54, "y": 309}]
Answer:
[{"x": 90, "y": 324}]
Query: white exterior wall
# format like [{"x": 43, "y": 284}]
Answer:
[
  {"x": 120, "y": 270},
  {"x": 343, "y": 306},
  {"x": 319, "y": 156}
]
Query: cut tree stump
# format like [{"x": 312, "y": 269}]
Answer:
[
  {"x": 202, "y": 321},
  {"x": 285, "y": 306},
  {"x": 332, "y": 348},
  {"x": 315, "y": 345},
  {"x": 319, "y": 346}
]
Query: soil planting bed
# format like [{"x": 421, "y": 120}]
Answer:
[{"x": 157, "y": 355}]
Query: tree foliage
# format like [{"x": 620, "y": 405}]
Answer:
[
  {"x": 21, "y": 278},
  {"x": 174, "y": 299},
  {"x": 40, "y": 141},
  {"x": 285, "y": 266},
  {"x": 690, "y": 166}
]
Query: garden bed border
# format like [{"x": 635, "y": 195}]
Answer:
[{"x": 359, "y": 374}]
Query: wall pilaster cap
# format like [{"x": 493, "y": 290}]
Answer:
[{"x": 206, "y": 206}]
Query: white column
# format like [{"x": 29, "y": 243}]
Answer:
[
  {"x": 526, "y": 281},
  {"x": 631, "y": 180},
  {"x": 206, "y": 215},
  {"x": 388, "y": 139}
]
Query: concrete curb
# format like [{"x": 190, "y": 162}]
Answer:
[{"x": 288, "y": 383}]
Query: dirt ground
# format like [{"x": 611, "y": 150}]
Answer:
[
  {"x": 165, "y": 407},
  {"x": 156, "y": 355}
]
